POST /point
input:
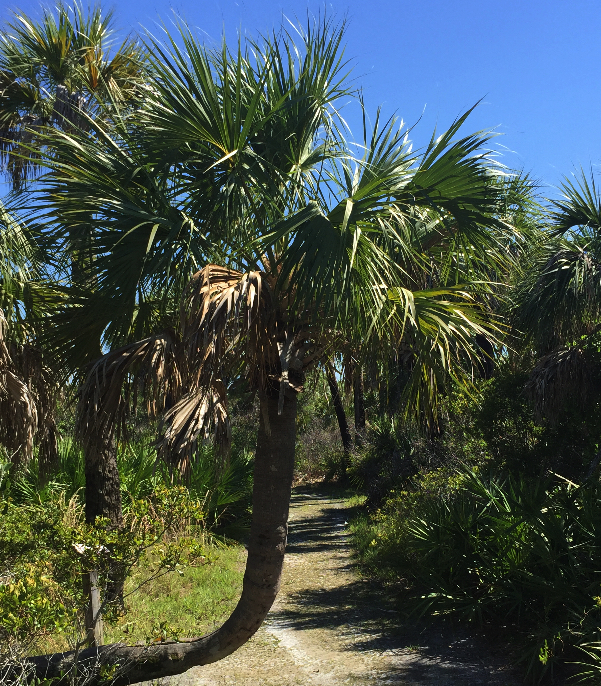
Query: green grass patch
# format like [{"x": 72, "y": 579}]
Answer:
[
  {"x": 182, "y": 605},
  {"x": 173, "y": 606}
]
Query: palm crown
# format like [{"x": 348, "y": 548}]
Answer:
[
  {"x": 240, "y": 160},
  {"x": 51, "y": 71}
]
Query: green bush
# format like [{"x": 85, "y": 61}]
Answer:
[
  {"x": 46, "y": 547},
  {"x": 520, "y": 552},
  {"x": 502, "y": 416},
  {"x": 225, "y": 490}
]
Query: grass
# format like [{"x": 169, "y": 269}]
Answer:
[
  {"x": 174, "y": 605},
  {"x": 186, "y": 605}
]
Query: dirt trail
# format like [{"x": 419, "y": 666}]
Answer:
[{"x": 329, "y": 626}]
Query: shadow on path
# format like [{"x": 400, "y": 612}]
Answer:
[{"x": 336, "y": 599}]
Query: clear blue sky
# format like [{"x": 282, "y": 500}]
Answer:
[{"x": 535, "y": 64}]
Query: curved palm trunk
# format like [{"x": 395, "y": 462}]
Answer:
[{"x": 273, "y": 470}]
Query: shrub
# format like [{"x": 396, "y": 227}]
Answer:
[
  {"x": 514, "y": 551},
  {"x": 46, "y": 547}
]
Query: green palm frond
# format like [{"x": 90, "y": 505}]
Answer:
[
  {"x": 579, "y": 208},
  {"x": 27, "y": 288},
  {"x": 556, "y": 301},
  {"x": 439, "y": 329}
]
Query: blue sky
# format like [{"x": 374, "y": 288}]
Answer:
[{"x": 534, "y": 64}]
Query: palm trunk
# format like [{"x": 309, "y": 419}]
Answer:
[
  {"x": 359, "y": 402},
  {"x": 103, "y": 486},
  {"x": 103, "y": 499},
  {"x": 345, "y": 434},
  {"x": 273, "y": 470},
  {"x": 486, "y": 355}
]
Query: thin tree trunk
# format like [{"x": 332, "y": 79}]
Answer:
[
  {"x": 345, "y": 434},
  {"x": 93, "y": 618},
  {"x": 486, "y": 354},
  {"x": 359, "y": 402},
  {"x": 273, "y": 470}
]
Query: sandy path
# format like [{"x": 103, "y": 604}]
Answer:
[{"x": 329, "y": 626}]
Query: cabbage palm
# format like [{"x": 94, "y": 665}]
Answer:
[
  {"x": 558, "y": 300},
  {"x": 236, "y": 234},
  {"x": 51, "y": 70}
]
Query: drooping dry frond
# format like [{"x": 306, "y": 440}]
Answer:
[
  {"x": 562, "y": 376},
  {"x": 151, "y": 369},
  {"x": 222, "y": 308},
  {"x": 198, "y": 415},
  {"x": 156, "y": 372},
  {"x": 27, "y": 403}
]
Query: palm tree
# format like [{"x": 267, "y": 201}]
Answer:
[
  {"x": 238, "y": 165},
  {"x": 557, "y": 304},
  {"x": 53, "y": 70}
]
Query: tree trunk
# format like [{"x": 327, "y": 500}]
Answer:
[
  {"x": 273, "y": 470},
  {"x": 93, "y": 618},
  {"x": 103, "y": 486},
  {"x": 359, "y": 402},
  {"x": 345, "y": 434},
  {"x": 486, "y": 354},
  {"x": 103, "y": 499}
]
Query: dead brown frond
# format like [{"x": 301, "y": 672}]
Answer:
[
  {"x": 221, "y": 308},
  {"x": 27, "y": 403},
  {"x": 562, "y": 376},
  {"x": 199, "y": 415},
  {"x": 151, "y": 370}
]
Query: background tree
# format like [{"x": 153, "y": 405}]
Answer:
[
  {"x": 557, "y": 304},
  {"x": 54, "y": 69},
  {"x": 27, "y": 385}
]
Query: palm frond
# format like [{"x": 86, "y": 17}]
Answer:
[
  {"x": 54, "y": 72},
  {"x": 198, "y": 416},
  {"x": 151, "y": 370},
  {"x": 227, "y": 313},
  {"x": 558, "y": 297},
  {"x": 27, "y": 402},
  {"x": 580, "y": 206},
  {"x": 439, "y": 330}
]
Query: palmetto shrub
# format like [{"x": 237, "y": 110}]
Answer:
[
  {"x": 224, "y": 489},
  {"x": 516, "y": 552}
]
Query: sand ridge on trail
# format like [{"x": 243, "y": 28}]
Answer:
[{"x": 329, "y": 626}]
